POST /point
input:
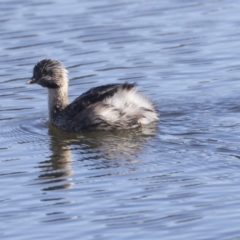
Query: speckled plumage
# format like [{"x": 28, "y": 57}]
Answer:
[{"x": 107, "y": 107}]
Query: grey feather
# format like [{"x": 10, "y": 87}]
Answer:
[{"x": 107, "y": 107}]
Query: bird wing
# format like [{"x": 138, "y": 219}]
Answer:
[{"x": 95, "y": 95}]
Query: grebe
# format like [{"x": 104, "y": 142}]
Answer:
[{"x": 107, "y": 107}]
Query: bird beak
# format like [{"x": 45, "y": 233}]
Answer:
[{"x": 31, "y": 80}]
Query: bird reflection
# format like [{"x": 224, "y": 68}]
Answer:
[{"x": 99, "y": 149}]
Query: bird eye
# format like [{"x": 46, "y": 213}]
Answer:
[{"x": 44, "y": 72}]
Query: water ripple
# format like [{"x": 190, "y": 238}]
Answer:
[{"x": 179, "y": 179}]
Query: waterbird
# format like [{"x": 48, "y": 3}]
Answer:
[{"x": 106, "y": 107}]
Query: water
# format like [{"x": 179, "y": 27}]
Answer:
[{"x": 177, "y": 180}]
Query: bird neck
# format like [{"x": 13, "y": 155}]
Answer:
[{"x": 57, "y": 100}]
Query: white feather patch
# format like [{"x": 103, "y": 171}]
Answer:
[{"x": 129, "y": 103}]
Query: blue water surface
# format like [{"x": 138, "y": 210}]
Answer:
[{"x": 178, "y": 179}]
